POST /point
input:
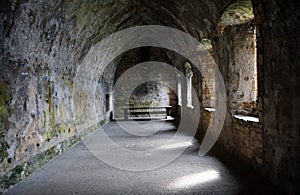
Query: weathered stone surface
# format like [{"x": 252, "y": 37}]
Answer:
[
  {"x": 279, "y": 27},
  {"x": 45, "y": 102},
  {"x": 277, "y": 95}
]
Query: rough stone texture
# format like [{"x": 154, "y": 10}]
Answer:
[
  {"x": 279, "y": 28},
  {"x": 21, "y": 171},
  {"x": 239, "y": 12},
  {"x": 208, "y": 84},
  {"x": 278, "y": 96},
  {"x": 45, "y": 101},
  {"x": 247, "y": 138},
  {"x": 150, "y": 93},
  {"x": 38, "y": 64},
  {"x": 248, "y": 141},
  {"x": 240, "y": 42},
  {"x": 205, "y": 119}
]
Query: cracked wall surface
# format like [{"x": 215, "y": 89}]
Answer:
[{"x": 51, "y": 94}]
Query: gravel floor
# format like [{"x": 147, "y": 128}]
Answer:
[{"x": 78, "y": 171}]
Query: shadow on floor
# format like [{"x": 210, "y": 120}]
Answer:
[{"x": 78, "y": 171}]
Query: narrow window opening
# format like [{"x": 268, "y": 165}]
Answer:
[
  {"x": 189, "y": 74},
  {"x": 179, "y": 90},
  {"x": 255, "y": 66},
  {"x": 107, "y": 102}
]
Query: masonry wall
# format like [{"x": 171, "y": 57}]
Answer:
[
  {"x": 279, "y": 48},
  {"x": 274, "y": 147},
  {"x": 150, "y": 90},
  {"x": 45, "y": 104},
  {"x": 151, "y": 94},
  {"x": 241, "y": 44},
  {"x": 44, "y": 107},
  {"x": 208, "y": 92},
  {"x": 244, "y": 138}
]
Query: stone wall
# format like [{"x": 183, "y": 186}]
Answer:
[
  {"x": 208, "y": 84},
  {"x": 151, "y": 90},
  {"x": 45, "y": 44},
  {"x": 248, "y": 141},
  {"x": 247, "y": 138},
  {"x": 279, "y": 48},
  {"x": 42, "y": 101},
  {"x": 205, "y": 119},
  {"x": 240, "y": 42},
  {"x": 278, "y": 96},
  {"x": 150, "y": 94},
  {"x": 237, "y": 61}
]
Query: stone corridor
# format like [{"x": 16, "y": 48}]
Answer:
[{"x": 225, "y": 72}]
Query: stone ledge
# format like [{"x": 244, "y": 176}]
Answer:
[
  {"x": 210, "y": 109},
  {"x": 246, "y": 118}
]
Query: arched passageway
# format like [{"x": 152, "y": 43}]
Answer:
[{"x": 226, "y": 71}]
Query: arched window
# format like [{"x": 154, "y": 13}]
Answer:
[
  {"x": 179, "y": 90},
  {"x": 189, "y": 74}
]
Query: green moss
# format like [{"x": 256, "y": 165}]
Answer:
[
  {"x": 4, "y": 98},
  {"x": 50, "y": 134},
  {"x": 62, "y": 128},
  {"x": 13, "y": 178},
  {"x": 21, "y": 171},
  {"x": 52, "y": 126},
  {"x": 51, "y": 152},
  {"x": 51, "y": 104},
  {"x": 45, "y": 119},
  {"x": 17, "y": 170},
  {"x": 74, "y": 139},
  {"x": 70, "y": 84},
  {"x": 102, "y": 122},
  {"x": 239, "y": 12},
  {"x": 4, "y": 113},
  {"x": 205, "y": 44},
  {"x": 4, "y": 148}
]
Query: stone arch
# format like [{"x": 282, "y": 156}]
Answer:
[{"x": 239, "y": 12}]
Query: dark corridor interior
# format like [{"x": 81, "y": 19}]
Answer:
[{"x": 149, "y": 96}]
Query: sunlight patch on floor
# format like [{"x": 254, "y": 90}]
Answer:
[
  {"x": 191, "y": 180},
  {"x": 176, "y": 145}
]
